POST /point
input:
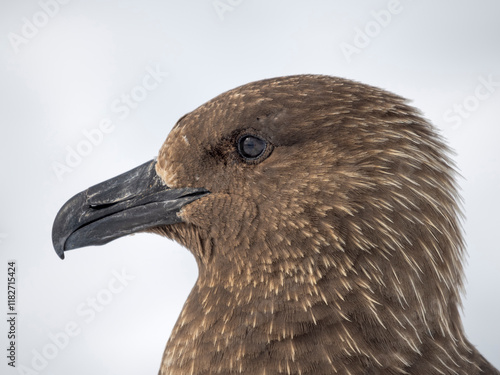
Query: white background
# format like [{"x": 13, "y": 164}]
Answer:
[{"x": 68, "y": 74}]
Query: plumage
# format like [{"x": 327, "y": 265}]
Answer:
[{"x": 337, "y": 250}]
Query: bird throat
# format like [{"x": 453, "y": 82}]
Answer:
[
  {"x": 328, "y": 312},
  {"x": 268, "y": 326},
  {"x": 300, "y": 325}
]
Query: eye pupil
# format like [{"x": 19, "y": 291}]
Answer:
[{"x": 251, "y": 147}]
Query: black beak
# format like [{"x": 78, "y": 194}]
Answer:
[{"x": 128, "y": 203}]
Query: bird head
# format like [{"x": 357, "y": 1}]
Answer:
[{"x": 324, "y": 193}]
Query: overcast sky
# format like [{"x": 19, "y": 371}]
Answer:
[{"x": 90, "y": 89}]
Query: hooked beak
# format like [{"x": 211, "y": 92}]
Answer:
[{"x": 131, "y": 202}]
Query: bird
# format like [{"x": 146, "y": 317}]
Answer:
[{"x": 325, "y": 219}]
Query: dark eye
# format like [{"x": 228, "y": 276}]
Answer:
[{"x": 251, "y": 147}]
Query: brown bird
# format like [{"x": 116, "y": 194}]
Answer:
[{"x": 325, "y": 221}]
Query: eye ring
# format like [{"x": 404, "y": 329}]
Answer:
[{"x": 251, "y": 147}]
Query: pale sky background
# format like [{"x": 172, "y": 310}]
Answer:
[{"x": 65, "y": 68}]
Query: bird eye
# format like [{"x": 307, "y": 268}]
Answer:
[{"x": 251, "y": 147}]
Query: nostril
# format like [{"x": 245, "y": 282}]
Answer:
[{"x": 102, "y": 206}]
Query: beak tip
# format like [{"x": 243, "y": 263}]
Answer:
[
  {"x": 58, "y": 242},
  {"x": 59, "y": 251}
]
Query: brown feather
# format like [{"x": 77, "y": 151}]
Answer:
[{"x": 339, "y": 253}]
